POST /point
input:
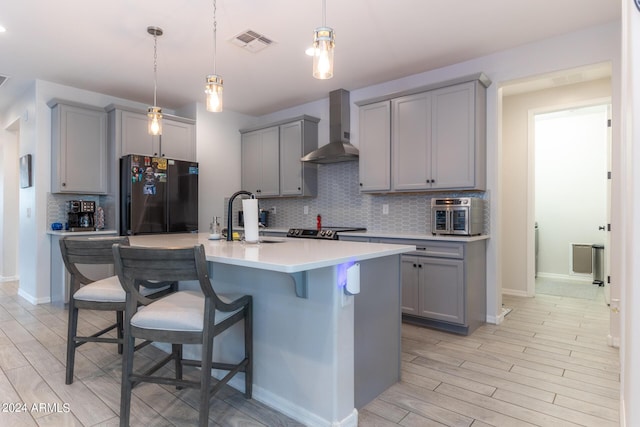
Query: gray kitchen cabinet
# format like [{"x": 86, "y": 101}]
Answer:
[
  {"x": 444, "y": 284},
  {"x": 437, "y": 138},
  {"x": 433, "y": 288},
  {"x": 129, "y": 131},
  {"x": 297, "y": 139},
  {"x": 78, "y": 149},
  {"x": 455, "y": 141},
  {"x": 410, "y": 285},
  {"x": 271, "y": 165},
  {"x": 442, "y": 295},
  {"x": 375, "y": 147},
  {"x": 260, "y": 157},
  {"x": 411, "y": 142}
]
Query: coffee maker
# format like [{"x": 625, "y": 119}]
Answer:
[{"x": 81, "y": 215}]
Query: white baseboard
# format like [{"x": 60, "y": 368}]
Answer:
[
  {"x": 298, "y": 413},
  {"x": 585, "y": 278},
  {"x": 515, "y": 293},
  {"x": 9, "y": 278},
  {"x": 31, "y": 299}
]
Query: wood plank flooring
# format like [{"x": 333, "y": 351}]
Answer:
[{"x": 547, "y": 365}]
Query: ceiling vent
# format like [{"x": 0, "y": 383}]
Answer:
[
  {"x": 251, "y": 41},
  {"x": 3, "y": 79}
]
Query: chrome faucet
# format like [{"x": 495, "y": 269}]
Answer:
[{"x": 230, "y": 207}]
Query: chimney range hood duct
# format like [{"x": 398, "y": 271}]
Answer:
[{"x": 339, "y": 149}]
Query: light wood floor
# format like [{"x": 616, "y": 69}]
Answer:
[{"x": 547, "y": 364}]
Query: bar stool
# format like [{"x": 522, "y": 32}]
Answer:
[
  {"x": 183, "y": 317},
  {"x": 104, "y": 295}
]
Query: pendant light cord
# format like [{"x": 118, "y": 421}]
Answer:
[
  {"x": 215, "y": 31},
  {"x": 324, "y": 13},
  {"x": 155, "y": 68}
]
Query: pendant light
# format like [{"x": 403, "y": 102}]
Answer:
[
  {"x": 154, "y": 113},
  {"x": 323, "y": 44},
  {"x": 213, "y": 89}
]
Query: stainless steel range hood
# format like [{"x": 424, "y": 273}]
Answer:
[{"x": 339, "y": 149}]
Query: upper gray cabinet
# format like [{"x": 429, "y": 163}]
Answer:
[
  {"x": 271, "y": 165},
  {"x": 435, "y": 136},
  {"x": 260, "y": 157},
  {"x": 130, "y": 135},
  {"x": 375, "y": 147},
  {"x": 78, "y": 149}
]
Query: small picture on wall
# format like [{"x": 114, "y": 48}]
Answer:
[{"x": 25, "y": 171}]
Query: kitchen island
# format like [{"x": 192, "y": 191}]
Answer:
[{"x": 322, "y": 347}]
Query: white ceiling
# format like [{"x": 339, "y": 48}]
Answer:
[{"x": 104, "y": 46}]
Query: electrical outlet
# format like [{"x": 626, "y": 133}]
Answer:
[
  {"x": 306, "y": 210},
  {"x": 385, "y": 209}
]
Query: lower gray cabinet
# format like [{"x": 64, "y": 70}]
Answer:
[
  {"x": 435, "y": 289},
  {"x": 444, "y": 285}
]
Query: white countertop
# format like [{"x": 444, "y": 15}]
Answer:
[
  {"x": 80, "y": 233},
  {"x": 441, "y": 238},
  {"x": 290, "y": 255},
  {"x": 387, "y": 235}
]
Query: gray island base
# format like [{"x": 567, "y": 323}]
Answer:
[{"x": 320, "y": 352}]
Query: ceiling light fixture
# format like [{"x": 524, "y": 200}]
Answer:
[
  {"x": 213, "y": 89},
  {"x": 154, "y": 113},
  {"x": 323, "y": 44}
]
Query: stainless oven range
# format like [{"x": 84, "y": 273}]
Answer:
[{"x": 327, "y": 233}]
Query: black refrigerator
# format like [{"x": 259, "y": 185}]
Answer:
[{"x": 158, "y": 195}]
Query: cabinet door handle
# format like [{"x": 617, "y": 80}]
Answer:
[
  {"x": 299, "y": 188},
  {"x": 360, "y": 184},
  {"x": 415, "y": 265},
  {"x": 64, "y": 184},
  {"x": 419, "y": 265}
]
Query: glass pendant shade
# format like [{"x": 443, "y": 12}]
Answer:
[
  {"x": 323, "y": 46},
  {"x": 214, "y": 93},
  {"x": 154, "y": 115}
]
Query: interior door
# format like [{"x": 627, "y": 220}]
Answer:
[{"x": 607, "y": 243}]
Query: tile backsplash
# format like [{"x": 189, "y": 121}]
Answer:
[
  {"x": 57, "y": 207},
  {"x": 341, "y": 204}
]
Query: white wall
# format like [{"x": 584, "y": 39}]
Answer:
[
  {"x": 218, "y": 150},
  {"x": 570, "y": 185}
]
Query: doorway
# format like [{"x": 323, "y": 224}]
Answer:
[
  {"x": 571, "y": 152},
  {"x": 9, "y": 202}
]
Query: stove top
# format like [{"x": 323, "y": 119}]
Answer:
[{"x": 328, "y": 233}]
